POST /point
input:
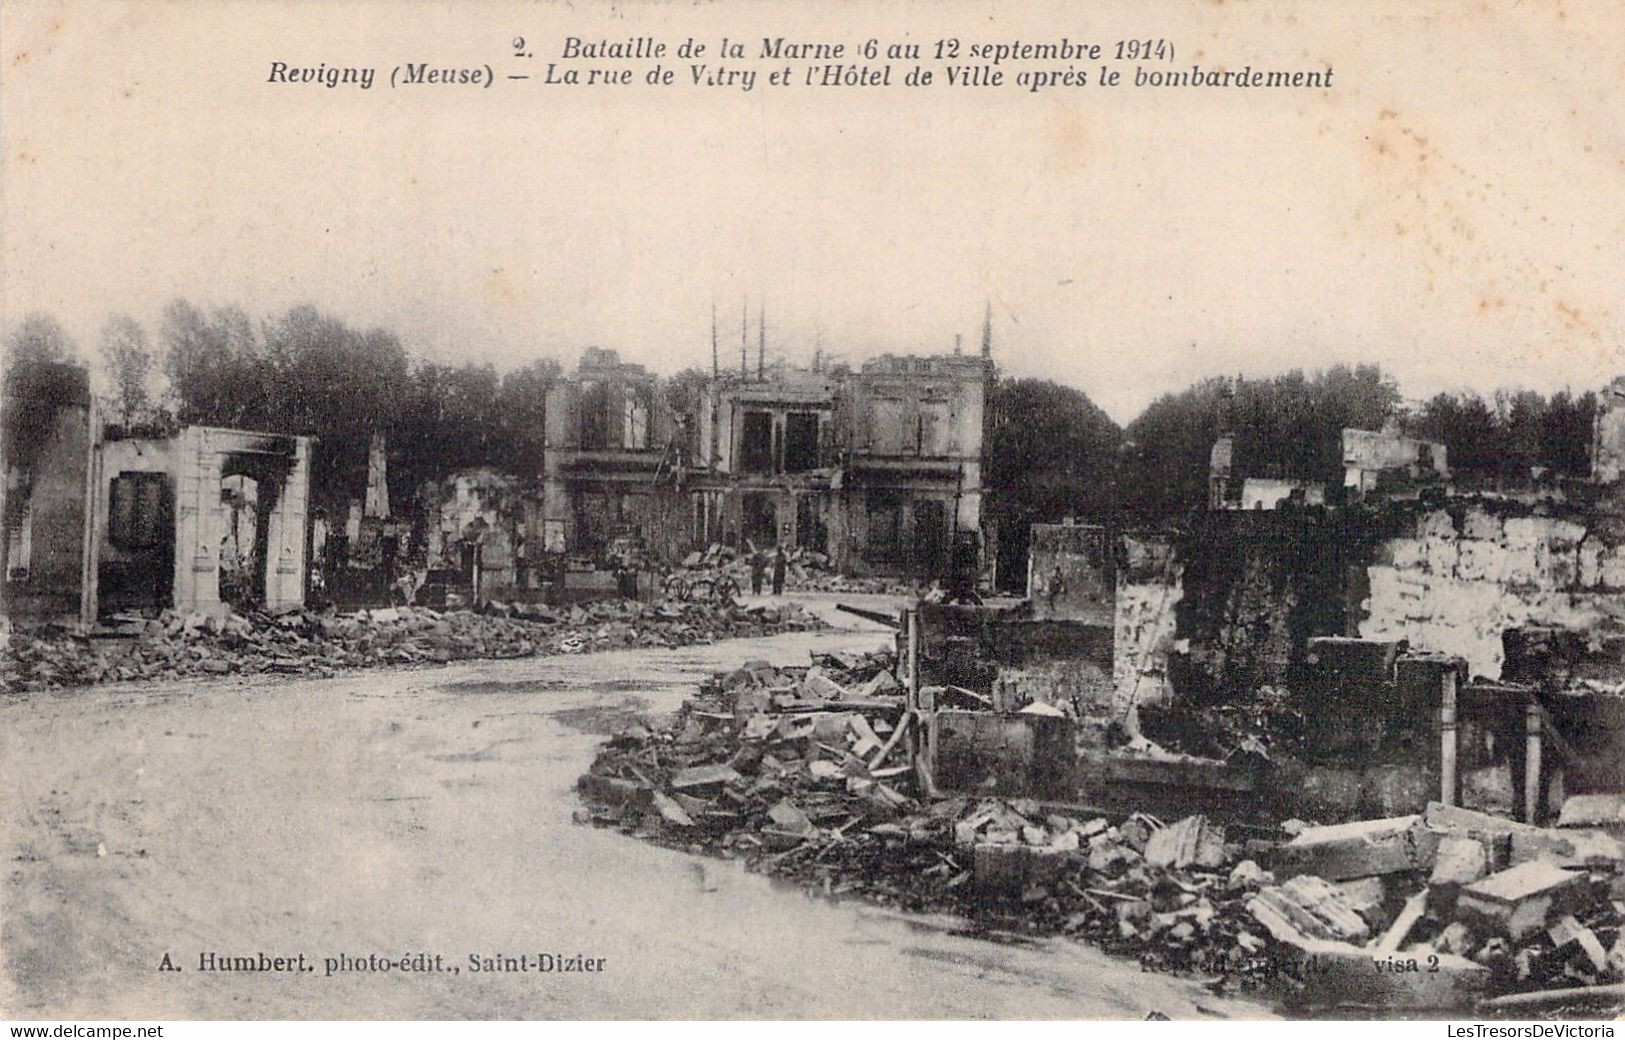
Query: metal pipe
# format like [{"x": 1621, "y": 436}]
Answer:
[
  {"x": 1449, "y": 738},
  {"x": 1531, "y": 767},
  {"x": 914, "y": 657}
]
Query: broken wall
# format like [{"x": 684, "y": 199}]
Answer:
[
  {"x": 1608, "y": 437},
  {"x": 1150, "y": 584},
  {"x": 486, "y": 513},
  {"x": 1022, "y": 658},
  {"x": 1461, "y": 576},
  {"x": 203, "y": 455},
  {"x": 44, "y": 461},
  {"x": 1256, "y": 586},
  {"x": 1070, "y": 573}
]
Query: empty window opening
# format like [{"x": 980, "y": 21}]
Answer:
[
  {"x": 635, "y": 420},
  {"x": 756, "y": 443},
  {"x": 759, "y": 522},
  {"x": 800, "y": 442},
  {"x": 885, "y": 540}
]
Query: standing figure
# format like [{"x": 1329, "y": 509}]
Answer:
[
  {"x": 778, "y": 571},
  {"x": 758, "y": 569}
]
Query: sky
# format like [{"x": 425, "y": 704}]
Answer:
[{"x": 1453, "y": 208}]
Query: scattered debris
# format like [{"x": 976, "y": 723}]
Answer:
[
  {"x": 303, "y": 642},
  {"x": 1363, "y": 848},
  {"x": 806, "y": 570},
  {"x": 797, "y": 772},
  {"x": 1520, "y": 901}
]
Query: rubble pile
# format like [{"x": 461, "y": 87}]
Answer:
[
  {"x": 801, "y": 773},
  {"x": 308, "y": 643},
  {"x": 804, "y": 773},
  {"x": 805, "y": 571},
  {"x": 1456, "y": 906}
]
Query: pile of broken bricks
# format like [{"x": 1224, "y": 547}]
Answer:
[
  {"x": 1454, "y": 908},
  {"x": 805, "y": 571},
  {"x": 311, "y": 643},
  {"x": 821, "y": 734},
  {"x": 803, "y": 773}
]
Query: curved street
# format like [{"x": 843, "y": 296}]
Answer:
[{"x": 393, "y": 813}]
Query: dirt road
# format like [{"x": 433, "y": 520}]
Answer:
[{"x": 389, "y": 814}]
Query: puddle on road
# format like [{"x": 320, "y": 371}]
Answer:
[
  {"x": 499, "y": 686},
  {"x": 480, "y": 686},
  {"x": 603, "y": 719}
]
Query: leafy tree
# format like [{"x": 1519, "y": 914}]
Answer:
[
  {"x": 126, "y": 357},
  {"x": 1566, "y": 432},
  {"x": 1286, "y": 426},
  {"x": 1165, "y": 464},
  {"x": 212, "y": 365},
  {"x": 39, "y": 337},
  {"x": 1051, "y": 453},
  {"x": 450, "y": 419},
  {"x": 522, "y": 416},
  {"x": 1471, "y": 431}
]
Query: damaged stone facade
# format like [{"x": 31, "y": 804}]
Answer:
[
  {"x": 1461, "y": 576},
  {"x": 1386, "y": 461},
  {"x": 200, "y": 520},
  {"x": 99, "y": 521},
  {"x": 877, "y": 469},
  {"x": 1236, "y": 617},
  {"x": 912, "y": 433},
  {"x": 45, "y": 447},
  {"x": 613, "y": 457},
  {"x": 767, "y": 450}
]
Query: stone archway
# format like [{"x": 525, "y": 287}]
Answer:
[{"x": 279, "y": 468}]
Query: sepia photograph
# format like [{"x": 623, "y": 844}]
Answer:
[{"x": 736, "y": 511}]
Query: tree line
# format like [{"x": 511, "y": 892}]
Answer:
[
  {"x": 309, "y": 373},
  {"x": 1051, "y": 452}
]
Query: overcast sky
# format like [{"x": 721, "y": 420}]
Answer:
[{"x": 1454, "y": 208}]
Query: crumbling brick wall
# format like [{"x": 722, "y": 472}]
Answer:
[
  {"x": 974, "y": 646},
  {"x": 44, "y": 460},
  {"x": 1256, "y": 586},
  {"x": 1149, "y": 588},
  {"x": 1464, "y": 574}
]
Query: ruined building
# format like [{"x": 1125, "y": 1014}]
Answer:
[
  {"x": 98, "y": 520},
  {"x": 198, "y": 520},
  {"x": 1387, "y": 462},
  {"x": 912, "y": 432},
  {"x": 879, "y": 469},
  {"x": 1406, "y": 616},
  {"x": 611, "y": 463},
  {"x": 769, "y": 457},
  {"x": 45, "y": 449}
]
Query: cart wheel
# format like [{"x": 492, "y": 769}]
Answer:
[
  {"x": 676, "y": 588},
  {"x": 725, "y": 590}
]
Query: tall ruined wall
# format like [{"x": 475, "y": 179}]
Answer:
[
  {"x": 1465, "y": 573},
  {"x": 1256, "y": 587},
  {"x": 1249, "y": 589},
  {"x": 46, "y": 501},
  {"x": 1149, "y": 588}
]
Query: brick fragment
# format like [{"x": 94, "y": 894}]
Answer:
[
  {"x": 1365, "y": 848},
  {"x": 1523, "y": 900}
]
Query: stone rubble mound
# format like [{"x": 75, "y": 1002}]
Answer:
[
  {"x": 314, "y": 644},
  {"x": 804, "y": 773}
]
